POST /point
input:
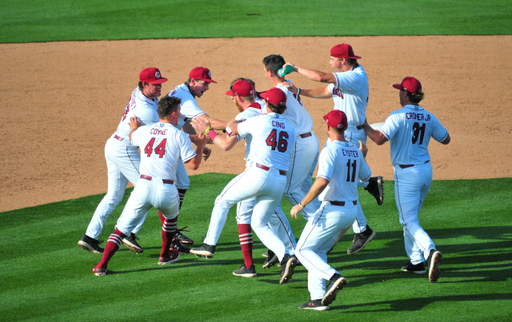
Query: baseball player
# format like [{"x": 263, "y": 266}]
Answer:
[
  {"x": 340, "y": 165},
  {"x": 305, "y": 151},
  {"x": 197, "y": 84},
  {"x": 162, "y": 146},
  {"x": 243, "y": 94},
  {"x": 265, "y": 178},
  {"x": 409, "y": 130},
  {"x": 348, "y": 86},
  {"x": 123, "y": 159}
]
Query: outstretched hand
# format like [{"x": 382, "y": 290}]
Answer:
[{"x": 200, "y": 123}]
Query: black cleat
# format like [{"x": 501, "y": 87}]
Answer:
[
  {"x": 131, "y": 243},
  {"x": 416, "y": 269},
  {"x": 90, "y": 244},
  {"x": 360, "y": 240},
  {"x": 205, "y": 250},
  {"x": 376, "y": 189}
]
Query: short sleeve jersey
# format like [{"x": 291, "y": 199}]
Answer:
[
  {"x": 252, "y": 111},
  {"x": 343, "y": 165},
  {"x": 295, "y": 112},
  {"x": 409, "y": 130},
  {"x": 189, "y": 107},
  {"x": 162, "y": 145},
  {"x": 273, "y": 137},
  {"x": 145, "y": 109},
  {"x": 350, "y": 94}
]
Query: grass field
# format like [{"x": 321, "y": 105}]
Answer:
[
  {"x": 47, "y": 277},
  {"x": 30, "y": 21}
]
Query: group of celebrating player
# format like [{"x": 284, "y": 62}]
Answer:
[{"x": 282, "y": 152}]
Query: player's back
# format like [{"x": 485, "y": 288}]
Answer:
[
  {"x": 409, "y": 131},
  {"x": 273, "y": 137},
  {"x": 343, "y": 165},
  {"x": 162, "y": 145},
  {"x": 296, "y": 113}
]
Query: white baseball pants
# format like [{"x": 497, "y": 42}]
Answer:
[
  {"x": 411, "y": 187},
  {"x": 322, "y": 232},
  {"x": 122, "y": 165}
]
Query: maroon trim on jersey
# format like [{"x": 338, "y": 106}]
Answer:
[
  {"x": 131, "y": 160},
  {"x": 255, "y": 105}
]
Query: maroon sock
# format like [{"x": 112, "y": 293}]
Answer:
[
  {"x": 161, "y": 216},
  {"x": 114, "y": 242},
  {"x": 245, "y": 236},
  {"x": 168, "y": 233},
  {"x": 181, "y": 193}
]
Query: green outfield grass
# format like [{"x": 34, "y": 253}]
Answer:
[
  {"x": 47, "y": 277},
  {"x": 30, "y": 21}
]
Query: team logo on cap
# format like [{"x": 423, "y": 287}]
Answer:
[
  {"x": 157, "y": 75},
  {"x": 209, "y": 74}
]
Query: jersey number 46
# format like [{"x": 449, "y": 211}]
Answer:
[{"x": 279, "y": 141}]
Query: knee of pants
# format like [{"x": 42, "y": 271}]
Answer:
[
  {"x": 219, "y": 202},
  {"x": 114, "y": 197}
]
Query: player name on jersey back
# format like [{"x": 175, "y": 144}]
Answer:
[{"x": 417, "y": 116}]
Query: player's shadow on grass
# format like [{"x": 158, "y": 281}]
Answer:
[{"x": 417, "y": 304}]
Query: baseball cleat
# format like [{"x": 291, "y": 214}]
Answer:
[
  {"x": 271, "y": 260},
  {"x": 173, "y": 257},
  {"x": 376, "y": 189},
  {"x": 360, "y": 240},
  {"x": 131, "y": 243},
  {"x": 90, "y": 244},
  {"x": 336, "y": 284},
  {"x": 177, "y": 244},
  {"x": 416, "y": 269},
  {"x": 314, "y": 305},
  {"x": 99, "y": 271},
  {"x": 184, "y": 239},
  {"x": 205, "y": 250},
  {"x": 245, "y": 271},
  {"x": 433, "y": 267},
  {"x": 287, "y": 265}
]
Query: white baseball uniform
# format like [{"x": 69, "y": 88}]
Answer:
[
  {"x": 350, "y": 95},
  {"x": 162, "y": 147},
  {"x": 303, "y": 154},
  {"x": 279, "y": 222},
  {"x": 342, "y": 164},
  {"x": 409, "y": 131},
  {"x": 265, "y": 178},
  {"x": 123, "y": 160},
  {"x": 189, "y": 110}
]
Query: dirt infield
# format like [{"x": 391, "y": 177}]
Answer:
[{"x": 61, "y": 101}]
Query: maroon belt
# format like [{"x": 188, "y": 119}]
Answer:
[
  {"x": 305, "y": 135},
  {"x": 341, "y": 203},
  {"x": 360, "y": 127},
  {"x": 168, "y": 181},
  {"x": 117, "y": 137},
  {"x": 405, "y": 166},
  {"x": 264, "y": 167}
]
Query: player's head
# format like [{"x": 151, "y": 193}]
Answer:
[
  {"x": 411, "y": 89},
  {"x": 199, "y": 80},
  {"x": 336, "y": 120},
  {"x": 342, "y": 52},
  {"x": 150, "y": 82},
  {"x": 273, "y": 63},
  {"x": 242, "y": 90},
  {"x": 169, "y": 105},
  {"x": 276, "y": 100}
]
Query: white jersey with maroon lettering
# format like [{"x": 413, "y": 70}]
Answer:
[
  {"x": 251, "y": 111},
  {"x": 162, "y": 146},
  {"x": 273, "y": 137},
  {"x": 409, "y": 130},
  {"x": 350, "y": 94},
  {"x": 189, "y": 107},
  {"x": 343, "y": 165},
  {"x": 145, "y": 109}
]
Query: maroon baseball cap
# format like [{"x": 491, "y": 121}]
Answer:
[
  {"x": 201, "y": 73},
  {"x": 409, "y": 84},
  {"x": 274, "y": 96},
  {"x": 336, "y": 119},
  {"x": 242, "y": 88},
  {"x": 152, "y": 75},
  {"x": 343, "y": 51}
]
